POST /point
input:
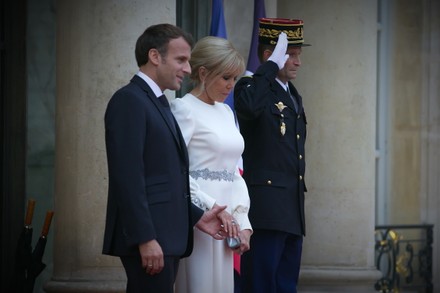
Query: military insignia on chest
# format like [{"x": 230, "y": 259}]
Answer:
[{"x": 281, "y": 107}]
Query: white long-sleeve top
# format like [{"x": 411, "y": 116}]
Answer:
[{"x": 214, "y": 146}]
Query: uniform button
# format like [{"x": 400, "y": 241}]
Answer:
[
  {"x": 269, "y": 182},
  {"x": 300, "y": 157},
  {"x": 186, "y": 195},
  {"x": 300, "y": 177},
  {"x": 299, "y": 116},
  {"x": 297, "y": 136}
]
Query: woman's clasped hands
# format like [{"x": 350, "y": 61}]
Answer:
[{"x": 230, "y": 228}]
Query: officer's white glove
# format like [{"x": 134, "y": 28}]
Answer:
[{"x": 279, "y": 55}]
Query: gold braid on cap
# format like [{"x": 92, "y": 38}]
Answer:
[{"x": 297, "y": 34}]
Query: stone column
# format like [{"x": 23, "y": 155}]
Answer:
[
  {"x": 95, "y": 56},
  {"x": 430, "y": 132},
  {"x": 338, "y": 83}
]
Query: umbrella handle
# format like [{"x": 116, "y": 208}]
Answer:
[
  {"x": 29, "y": 212},
  {"x": 47, "y": 222}
]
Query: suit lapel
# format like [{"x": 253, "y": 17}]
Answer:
[{"x": 178, "y": 139}]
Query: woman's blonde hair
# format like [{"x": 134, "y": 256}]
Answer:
[{"x": 217, "y": 55}]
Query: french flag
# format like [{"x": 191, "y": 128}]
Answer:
[
  {"x": 218, "y": 29},
  {"x": 253, "y": 61}
]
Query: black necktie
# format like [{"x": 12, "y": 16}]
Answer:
[
  {"x": 295, "y": 103},
  {"x": 164, "y": 101}
]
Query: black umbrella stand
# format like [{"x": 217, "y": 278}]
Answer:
[
  {"x": 23, "y": 254},
  {"x": 36, "y": 265}
]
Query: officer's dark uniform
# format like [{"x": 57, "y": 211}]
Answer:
[{"x": 274, "y": 131}]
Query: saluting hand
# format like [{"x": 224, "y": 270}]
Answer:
[{"x": 279, "y": 55}]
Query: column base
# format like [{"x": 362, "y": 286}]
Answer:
[
  {"x": 91, "y": 286},
  {"x": 91, "y": 280},
  {"x": 338, "y": 279},
  {"x": 312, "y": 280}
]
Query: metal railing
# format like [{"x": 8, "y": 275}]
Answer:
[{"x": 404, "y": 256}]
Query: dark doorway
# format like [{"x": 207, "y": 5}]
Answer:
[{"x": 13, "y": 132}]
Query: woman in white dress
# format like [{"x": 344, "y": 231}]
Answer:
[{"x": 214, "y": 146}]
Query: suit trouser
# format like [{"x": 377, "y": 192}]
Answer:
[
  {"x": 272, "y": 264},
  {"x": 138, "y": 281}
]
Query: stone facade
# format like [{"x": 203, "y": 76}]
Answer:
[{"x": 338, "y": 81}]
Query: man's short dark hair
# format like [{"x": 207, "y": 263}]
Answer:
[
  {"x": 260, "y": 51},
  {"x": 157, "y": 37}
]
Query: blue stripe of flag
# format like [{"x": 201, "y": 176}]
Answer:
[
  {"x": 253, "y": 61},
  {"x": 218, "y": 26},
  {"x": 218, "y": 29}
]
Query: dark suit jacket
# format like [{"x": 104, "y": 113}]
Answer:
[
  {"x": 148, "y": 195},
  {"x": 273, "y": 164}
]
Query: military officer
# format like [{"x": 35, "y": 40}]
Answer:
[{"x": 273, "y": 123}]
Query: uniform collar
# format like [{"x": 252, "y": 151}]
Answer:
[{"x": 284, "y": 85}]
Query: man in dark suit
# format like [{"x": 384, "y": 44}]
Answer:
[
  {"x": 150, "y": 217},
  {"x": 273, "y": 123}
]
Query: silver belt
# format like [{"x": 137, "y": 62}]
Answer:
[{"x": 212, "y": 175}]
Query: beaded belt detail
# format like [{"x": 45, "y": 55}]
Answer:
[{"x": 212, "y": 175}]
